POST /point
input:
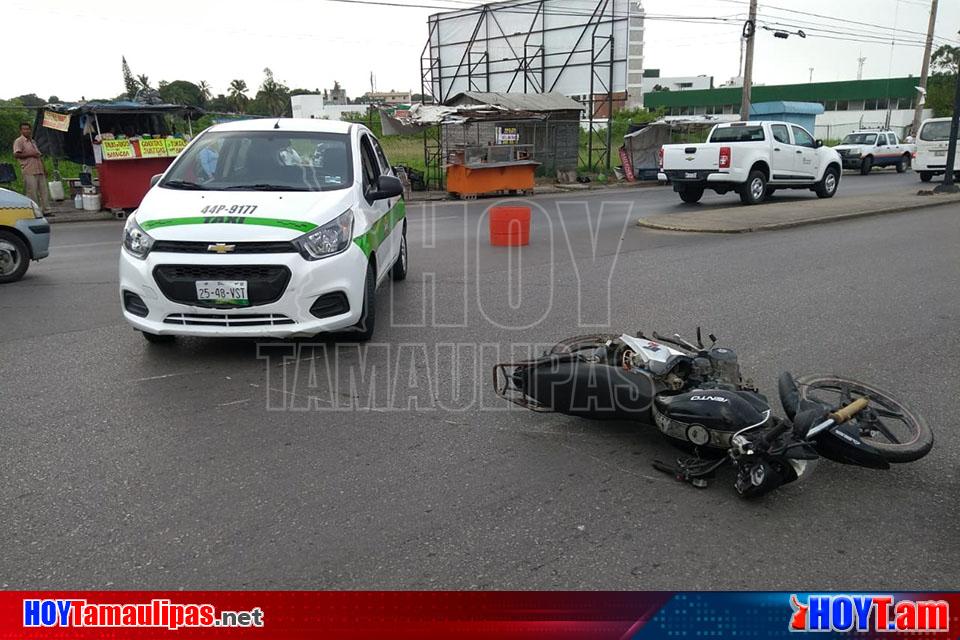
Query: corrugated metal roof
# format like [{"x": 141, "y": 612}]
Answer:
[{"x": 519, "y": 101}]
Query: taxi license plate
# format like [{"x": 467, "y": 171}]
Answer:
[
  {"x": 940, "y": 152},
  {"x": 690, "y": 174},
  {"x": 223, "y": 291}
]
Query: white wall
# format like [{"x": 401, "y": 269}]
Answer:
[
  {"x": 673, "y": 83},
  {"x": 836, "y": 124},
  {"x": 306, "y": 106}
]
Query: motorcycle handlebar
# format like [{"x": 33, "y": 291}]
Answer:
[{"x": 842, "y": 415}]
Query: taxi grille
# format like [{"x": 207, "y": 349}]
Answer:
[
  {"x": 178, "y": 246},
  {"x": 265, "y": 283},
  {"x": 223, "y": 320}
]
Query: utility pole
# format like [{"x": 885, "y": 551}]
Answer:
[
  {"x": 749, "y": 32},
  {"x": 949, "y": 185},
  {"x": 811, "y": 74},
  {"x": 860, "y": 62},
  {"x": 925, "y": 69}
]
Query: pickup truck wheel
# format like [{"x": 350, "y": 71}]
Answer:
[
  {"x": 754, "y": 190},
  {"x": 865, "y": 165},
  {"x": 828, "y": 184},
  {"x": 691, "y": 195},
  {"x": 926, "y": 176},
  {"x": 903, "y": 163}
]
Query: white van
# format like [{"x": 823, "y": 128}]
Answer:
[
  {"x": 932, "y": 140},
  {"x": 265, "y": 227}
]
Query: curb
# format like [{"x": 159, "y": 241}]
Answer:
[
  {"x": 69, "y": 218},
  {"x": 790, "y": 224}
]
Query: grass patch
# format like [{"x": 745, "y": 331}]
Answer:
[{"x": 67, "y": 168}]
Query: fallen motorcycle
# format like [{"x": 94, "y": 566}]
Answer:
[{"x": 695, "y": 395}]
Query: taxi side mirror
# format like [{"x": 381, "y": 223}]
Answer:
[
  {"x": 155, "y": 179},
  {"x": 387, "y": 187}
]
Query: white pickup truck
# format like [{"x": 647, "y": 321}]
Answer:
[
  {"x": 753, "y": 159},
  {"x": 864, "y": 150}
]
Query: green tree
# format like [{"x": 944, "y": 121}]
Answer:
[
  {"x": 273, "y": 97},
  {"x": 129, "y": 82},
  {"x": 204, "y": 87},
  {"x": 220, "y": 104},
  {"x": 144, "y": 81},
  {"x": 945, "y": 59},
  {"x": 30, "y": 100},
  {"x": 238, "y": 95},
  {"x": 181, "y": 92},
  {"x": 944, "y": 63},
  {"x": 53, "y": 100}
]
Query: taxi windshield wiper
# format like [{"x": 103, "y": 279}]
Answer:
[
  {"x": 263, "y": 187},
  {"x": 183, "y": 184}
]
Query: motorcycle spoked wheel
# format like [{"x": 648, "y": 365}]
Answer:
[
  {"x": 591, "y": 342},
  {"x": 898, "y": 432}
]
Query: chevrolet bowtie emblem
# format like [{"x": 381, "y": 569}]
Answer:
[{"x": 221, "y": 247}]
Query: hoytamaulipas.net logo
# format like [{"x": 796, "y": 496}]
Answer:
[
  {"x": 847, "y": 612},
  {"x": 159, "y": 612}
]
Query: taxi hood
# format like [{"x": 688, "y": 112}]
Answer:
[{"x": 238, "y": 216}]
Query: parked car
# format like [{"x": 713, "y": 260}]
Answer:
[
  {"x": 864, "y": 150},
  {"x": 24, "y": 235},
  {"x": 931, "y": 156},
  {"x": 252, "y": 232},
  {"x": 753, "y": 159}
]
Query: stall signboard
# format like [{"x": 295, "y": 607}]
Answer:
[
  {"x": 117, "y": 150},
  {"x": 153, "y": 148},
  {"x": 508, "y": 135},
  {"x": 174, "y": 145},
  {"x": 58, "y": 121}
]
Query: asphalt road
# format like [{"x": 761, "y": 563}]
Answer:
[{"x": 219, "y": 464}]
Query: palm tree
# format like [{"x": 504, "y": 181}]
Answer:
[
  {"x": 204, "y": 87},
  {"x": 144, "y": 81},
  {"x": 238, "y": 94},
  {"x": 275, "y": 95}
]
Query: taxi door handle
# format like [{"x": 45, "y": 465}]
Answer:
[{"x": 799, "y": 151}]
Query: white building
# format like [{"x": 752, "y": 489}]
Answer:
[{"x": 312, "y": 106}]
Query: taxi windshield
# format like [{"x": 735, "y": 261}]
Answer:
[{"x": 264, "y": 161}]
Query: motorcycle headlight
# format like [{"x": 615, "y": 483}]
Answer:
[
  {"x": 136, "y": 241},
  {"x": 329, "y": 240}
]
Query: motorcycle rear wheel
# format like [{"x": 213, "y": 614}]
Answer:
[{"x": 909, "y": 441}]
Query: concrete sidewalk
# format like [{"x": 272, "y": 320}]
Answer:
[{"x": 783, "y": 215}]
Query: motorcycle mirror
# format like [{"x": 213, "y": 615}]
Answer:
[
  {"x": 699, "y": 338},
  {"x": 713, "y": 339}
]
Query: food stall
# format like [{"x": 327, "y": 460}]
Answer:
[{"x": 127, "y": 142}]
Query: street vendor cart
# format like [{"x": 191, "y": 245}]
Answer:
[{"x": 127, "y": 142}]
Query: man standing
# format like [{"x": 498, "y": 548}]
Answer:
[{"x": 31, "y": 166}]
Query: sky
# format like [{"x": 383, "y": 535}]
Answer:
[{"x": 74, "y": 50}]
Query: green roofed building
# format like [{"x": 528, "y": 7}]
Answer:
[{"x": 848, "y": 105}]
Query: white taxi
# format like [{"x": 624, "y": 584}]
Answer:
[{"x": 265, "y": 228}]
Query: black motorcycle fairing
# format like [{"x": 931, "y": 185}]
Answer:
[
  {"x": 588, "y": 390},
  {"x": 842, "y": 443},
  {"x": 708, "y": 417}
]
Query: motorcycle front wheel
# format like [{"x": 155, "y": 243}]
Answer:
[{"x": 898, "y": 432}]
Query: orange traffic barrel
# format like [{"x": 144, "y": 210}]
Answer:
[{"x": 509, "y": 226}]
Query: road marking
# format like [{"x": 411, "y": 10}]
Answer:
[
  {"x": 87, "y": 244},
  {"x": 227, "y": 404},
  {"x": 166, "y": 375}
]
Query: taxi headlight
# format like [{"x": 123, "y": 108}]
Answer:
[
  {"x": 37, "y": 211},
  {"x": 136, "y": 241},
  {"x": 328, "y": 240}
]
